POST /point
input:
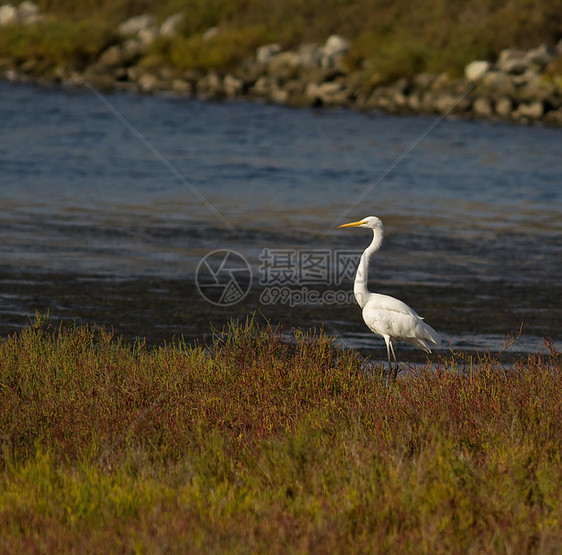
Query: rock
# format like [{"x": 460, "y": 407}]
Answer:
[
  {"x": 181, "y": 86},
  {"x": 232, "y": 85},
  {"x": 210, "y": 85},
  {"x": 132, "y": 50},
  {"x": 504, "y": 107},
  {"x": 261, "y": 87},
  {"x": 336, "y": 45},
  {"x": 210, "y": 33},
  {"x": 539, "y": 57},
  {"x": 134, "y": 25},
  {"x": 147, "y": 36},
  {"x": 334, "y": 50},
  {"x": 536, "y": 88},
  {"x": 445, "y": 103},
  {"x": 496, "y": 84},
  {"x": 423, "y": 81},
  {"x": 171, "y": 25},
  {"x": 295, "y": 93},
  {"x": 532, "y": 111},
  {"x": 120, "y": 55},
  {"x": 8, "y": 15},
  {"x": 28, "y": 13},
  {"x": 308, "y": 56},
  {"x": 326, "y": 93},
  {"x": 400, "y": 100},
  {"x": 279, "y": 96},
  {"x": 112, "y": 57},
  {"x": 523, "y": 78},
  {"x": 265, "y": 54},
  {"x": 482, "y": 107},
  {"x": 134, "y": 73},
  {"x": 512, "y": 60},
  {"x": 414, "y": 102},
  {"x": 148, "y": 82},
  {"x": 554, "y": 117},
  {"x": 282, "y": 62},
  {"x": 475, "y": 70}
]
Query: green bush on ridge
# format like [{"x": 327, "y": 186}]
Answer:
[{"x": 387, "y": 40}]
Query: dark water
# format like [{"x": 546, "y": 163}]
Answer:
[{"x": 110, "y": 204}]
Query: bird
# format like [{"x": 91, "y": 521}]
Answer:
[{"x": 384, "y": 315}]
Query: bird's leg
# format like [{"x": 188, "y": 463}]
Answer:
[
  {"x": 387, "y": 341},
  {"x": 395, "y": 373}
]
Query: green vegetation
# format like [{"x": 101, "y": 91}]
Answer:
[
  {"x": 389, "y": 39},
  {"x": 257, "y": 445},
  {"x": 55, "y": 42}
]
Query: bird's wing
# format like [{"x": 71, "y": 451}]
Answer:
[
  {"x": 390, "y": 317},
  {"x": 386, "y": 302}
]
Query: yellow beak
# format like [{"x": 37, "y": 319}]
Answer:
[{"x": 353, "y": 224}]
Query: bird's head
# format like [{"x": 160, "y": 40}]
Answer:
[{"x": 371, "y": 222}]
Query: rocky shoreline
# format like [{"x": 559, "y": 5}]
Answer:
[{"x": 520, "y": 86}]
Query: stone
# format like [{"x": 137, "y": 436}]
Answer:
[
  {"x": 444, "y": 103},
  {"x": 120, "y": 54},
  {"x": 399, "y": 99},
  {"x": 171, "y": 25},
  {"x": 333, "y": 52},
  {"x": 504, "y": 107},
  {"x": 147, "y": 36},
  {"x": 475, "y": 70},
  {"x": 132, "y": 49},
  {"x": 264, "y": 54},
  {"x": 308, "y": 56},
  {"x": 336, "y": 45},
  {"x": 497, "y": 84},
  {"x": 482, "y": 107},
  {"x": 554, "y": 117},
  {"x": 540, "y": 56},
  {"x": 532, "y": 111},
  {"x": 148, "y": 82},
  {"x": 414, "y": 102},
  {"x": 282, "y": 61},
  {"x": 327, "y": 93},
  {"x": 8, "y": 15},
  {"x": 210, "y": 85},
  {"x": 210, "y": 33},
  {"x": 134, "y": 25},
  {"x": 536, "y": 89},
  {"x": 232, "y": 85},
  {"x": 279, "y": 96},
  {"x": 28, "y": 13},
  {"x": 112, "y": 57},
  {"x": 181, "y": 86},
  {"x": 261, "y": 87},
  {"x": 512, "y": 60},
  {"x": 423, "y": 80}
]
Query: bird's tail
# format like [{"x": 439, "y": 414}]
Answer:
[{"x": 429, "y": 337}]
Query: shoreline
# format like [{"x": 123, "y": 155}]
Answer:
[{"x": 521, "y": 86}]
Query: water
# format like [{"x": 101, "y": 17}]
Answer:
[{"x": 109, "y": 206}]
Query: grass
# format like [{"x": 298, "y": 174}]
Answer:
[
  {"x": 258, "y": 445},
  {"x": 389, "y": 39},
  {"x": 56, "y": 42}
]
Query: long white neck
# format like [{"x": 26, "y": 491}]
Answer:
[{"x": 361, "y": 277}]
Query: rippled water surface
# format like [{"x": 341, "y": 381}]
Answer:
[{"x": 109, "y": 205}]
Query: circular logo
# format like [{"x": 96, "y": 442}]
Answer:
[{"x": 223, "y": 277}]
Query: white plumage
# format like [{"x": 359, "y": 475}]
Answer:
[{"x": 386, "y": 316}]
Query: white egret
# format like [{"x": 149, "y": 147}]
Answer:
[{"x": 384, "y": 315}]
